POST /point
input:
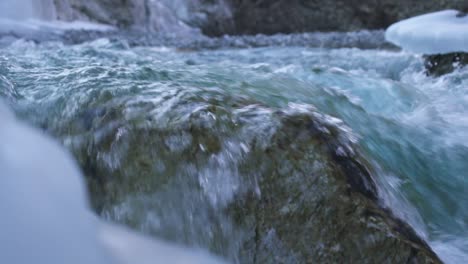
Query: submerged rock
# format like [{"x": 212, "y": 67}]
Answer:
[{"x": 254, "y": 183}]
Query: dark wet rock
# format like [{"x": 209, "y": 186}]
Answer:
[
  {"x": 320, "y": 206},
  {"x": 237, "y": 17},
  {"x": 256, "y": 184},
  {"x": 280, "y": 16},
  {"x": 440, "y": 64}
]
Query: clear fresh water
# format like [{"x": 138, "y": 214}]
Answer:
[{"x": 412, "y": 128}]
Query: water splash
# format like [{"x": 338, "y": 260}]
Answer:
[
  {"x": 48, "y": 219},
  {"x": 412, "y": 127}
]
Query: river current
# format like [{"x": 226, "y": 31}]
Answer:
[{"x": 412, "y": 129}]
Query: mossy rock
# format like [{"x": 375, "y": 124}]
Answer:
[{"x": 301, "y": 190}]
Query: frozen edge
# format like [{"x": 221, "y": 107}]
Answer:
[{"x": 434, "y": 33}]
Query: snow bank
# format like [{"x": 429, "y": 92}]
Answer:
[
  {"x": 127, "y": 247},
  {"x": 433, "y": 33},
  {"x": 45, "y": 216}
]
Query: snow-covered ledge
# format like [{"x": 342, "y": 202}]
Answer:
[
  {"x": 434, "y": 33},
  {"x": 441, "y": 36}
]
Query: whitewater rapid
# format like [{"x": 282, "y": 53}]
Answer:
[{"x": 411, "y": 127}]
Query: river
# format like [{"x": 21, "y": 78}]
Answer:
[{"x": 411, "y": 128}]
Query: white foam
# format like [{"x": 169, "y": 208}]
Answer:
[
  {"x": 45, "y": 216},
  {"x": 433, "y": 33}
]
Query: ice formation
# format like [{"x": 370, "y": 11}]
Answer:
[
  {"x": 434, "y": 33},
  {"x": 45, "y": 215}
]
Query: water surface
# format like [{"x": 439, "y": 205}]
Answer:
[{"x": 412, "y": 128}]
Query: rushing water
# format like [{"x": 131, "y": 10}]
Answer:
[{"x": 412, "y": 128}]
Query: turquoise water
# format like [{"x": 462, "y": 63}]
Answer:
[{"x": 412, "y": 128}]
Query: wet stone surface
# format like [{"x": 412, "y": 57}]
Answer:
[{"x": 291, "y": 190}]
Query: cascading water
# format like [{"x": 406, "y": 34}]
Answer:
[
  {"x": 406, "y": 122},
  {"x": 184, "y": 144}
]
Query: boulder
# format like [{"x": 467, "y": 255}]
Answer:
[
  {"x": 319, "y": 205},
  {"x": 251, "y": 182}
]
